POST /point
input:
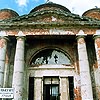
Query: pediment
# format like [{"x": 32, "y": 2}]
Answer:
[
  {"x": 48, "y": 19},
  {"x": 49, "y": 16}
]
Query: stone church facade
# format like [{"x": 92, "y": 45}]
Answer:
[{"x": 50, "y": 53}]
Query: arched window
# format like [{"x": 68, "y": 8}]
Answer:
[{"x": 50, "y": 56}]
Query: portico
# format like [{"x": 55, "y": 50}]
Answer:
[{"x": 50, "y": 54}]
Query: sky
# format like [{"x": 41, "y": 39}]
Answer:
[{"x": 25, "y": 6}]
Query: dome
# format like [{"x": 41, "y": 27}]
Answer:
[
  {"x": 50, "y": 6},
  {"x": 93, "y": 13},
  {"x": 7, "y": 13}
]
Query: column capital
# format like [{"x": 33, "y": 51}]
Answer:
[
  {"x": 4, "y": 37},
  {"x": 96, "y": 36},
  {"x": 81, "y": 34},
  {"x": 21, "y": 37}
]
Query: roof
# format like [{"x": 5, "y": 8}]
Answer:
[
  {"x": 93, "y": 13},
  {"x": 49, "y": 15},
  {"x": 7, "y": 13},
  {"x": 50, "y": 5}
]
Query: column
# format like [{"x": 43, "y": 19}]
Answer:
[
  {"x": 64, "y": 85},
  {"x": 86, "y": 87},
  {"x": 3, "y": 47},
  {"x": 6, "y": 71},
  {"x": 97, "y": 67},
  {"x": 38, "y": 88},
  {"x": 18, "y": 74}
]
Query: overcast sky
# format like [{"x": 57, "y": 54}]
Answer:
[
  {"x": 79, "y": 6},
  {"x": 25, "y": 6}
]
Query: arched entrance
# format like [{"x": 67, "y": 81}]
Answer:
[{"x": 51, "y": 76}]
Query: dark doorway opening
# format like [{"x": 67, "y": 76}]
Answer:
[
  {"x": 51, "y": 88},
  {"x": 31, "y": 88},
  {"x": 71, "y": 87},
  {"x": 51, "y": 92}
]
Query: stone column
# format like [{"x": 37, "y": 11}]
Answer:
[
  {"x": 97, "y": 67},
  {"x": 18, "y": 74},
  {"x": 6, "y": 72},
  {"x": 86, "y": 87},
  {"x": 64, "y": 85},
  {"x": 3, "y": 47},
  {"x": 38, "y": 88}
]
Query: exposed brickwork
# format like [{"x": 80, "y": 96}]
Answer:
[
  {"x": 50, "y": 6},
  {"x": 77, "y": 93},
  {"x": 54, "y": 28},
  {"x": 97, "y": 41},
  {"x": 93, "y": 13},
  {"x": 6, "y": 14},
  {"x": 2, "y": 43},
  {"x": 7, "y": 59},
  {"x": 98, "y": 92}
]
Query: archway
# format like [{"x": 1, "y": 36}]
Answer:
[
  {"x": 50, "y": 70},
  {"x": 51, "y": 56}
]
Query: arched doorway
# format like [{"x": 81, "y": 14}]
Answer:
[{"x": 51, "y": 76}]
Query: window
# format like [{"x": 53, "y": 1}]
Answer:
[
  {"x": 51, "y": 89},
  {"x": 50, "y": 56}
]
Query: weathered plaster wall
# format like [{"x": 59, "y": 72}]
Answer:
[
  {"x": 11, "y": 56},
  {"x": 55, "y": 29},
  {"x": 36, "y": 45},
  {"x": 68, "y": 45},
  {"x": 92, "y": 62}
]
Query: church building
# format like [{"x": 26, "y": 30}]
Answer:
[{"x": 50, "y": 53}]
